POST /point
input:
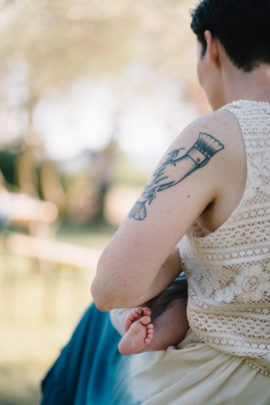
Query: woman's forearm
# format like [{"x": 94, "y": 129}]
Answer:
[
  {"x": 109, "y": 295},
  {"x": 166, "y": 274}
]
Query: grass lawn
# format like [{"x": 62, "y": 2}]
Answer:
[{"x": 39, "y": 312}]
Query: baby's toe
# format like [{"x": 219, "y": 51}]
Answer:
[
  {"x": 138, "y": 311},
  {"x": 145, "y": 320},
  {"x": 146, "y": 311}
]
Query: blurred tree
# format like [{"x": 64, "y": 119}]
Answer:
[
  {"x": 8, "y": 162},
  {"x": 62, "y": 40},
  {"x": 55, "y": 42},
  {"x": 51, "y": 187}
]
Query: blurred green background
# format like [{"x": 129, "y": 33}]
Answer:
[{"x": 92, "y": 93}]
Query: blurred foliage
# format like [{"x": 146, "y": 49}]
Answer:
[
  {"x": 56, "y": 42},
  {"x": 61, "y": 40},
  {"x": 8, "y": 159}
]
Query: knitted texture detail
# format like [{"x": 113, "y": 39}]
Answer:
[{"x": 228, "y": 270}]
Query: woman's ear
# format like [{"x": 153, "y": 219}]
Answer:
[{"x": 212, "y": 48}]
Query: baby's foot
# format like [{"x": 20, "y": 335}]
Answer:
[
  {"x": 134, "y": 314},
  {"x": 138, "y": 336}
]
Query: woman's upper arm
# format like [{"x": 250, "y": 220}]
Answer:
[{"x": 184, "y": 183}]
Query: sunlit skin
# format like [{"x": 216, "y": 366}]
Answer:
[
  {"x": 130, "y": 270},
  {"x": 222, "y": 82}
]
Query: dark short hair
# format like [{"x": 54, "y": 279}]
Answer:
[{"x": 242, "y": 27}]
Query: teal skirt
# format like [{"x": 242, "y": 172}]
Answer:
[{"x": 89, "y": 370}]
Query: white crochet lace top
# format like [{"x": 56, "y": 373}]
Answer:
[{"x": 228, "y": 270}]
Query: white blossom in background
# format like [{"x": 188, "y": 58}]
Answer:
[
  {"x": 13, "y": 106},
  {"x": 143, "y": 110},
  {"x": 152, "y": 111},
  {"x": 81, "y": 118}
]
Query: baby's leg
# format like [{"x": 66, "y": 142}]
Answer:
[{"x": 170, "y": 328}]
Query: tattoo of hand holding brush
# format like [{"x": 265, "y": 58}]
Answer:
[{"x": 170, "y": 173}]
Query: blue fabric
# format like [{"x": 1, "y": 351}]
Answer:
[{"x": 89, "y": 370}]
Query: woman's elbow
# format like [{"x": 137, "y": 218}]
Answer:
[
  {"x": 100, "y": 297},
  {"x": 108, "y": 295},
  {"x": 112, "y": 288},
  {"x": 105, "y": 290},
  {"x": 101, "y": 287}
]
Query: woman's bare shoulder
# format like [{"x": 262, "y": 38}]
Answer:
[
  {"x": 221, "y": 122},
  {"x": 223, "y": 126}
]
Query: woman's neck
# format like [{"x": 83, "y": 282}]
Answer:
[{"x": 254, "y": 85}]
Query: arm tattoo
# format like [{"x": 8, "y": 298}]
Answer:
[{"x": 170, "y": 172}]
